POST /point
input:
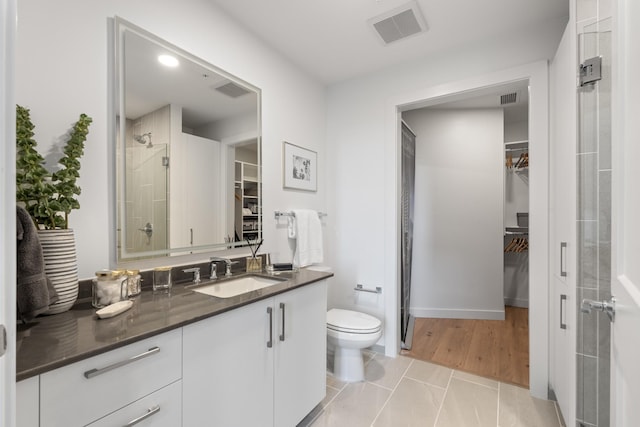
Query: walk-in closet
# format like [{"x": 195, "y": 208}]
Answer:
[{"x": 469, "y": 290}]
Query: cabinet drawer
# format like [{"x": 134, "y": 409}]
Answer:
[
  {"x": 159, "y": 409},
  {"x": 116, "y": 378}
]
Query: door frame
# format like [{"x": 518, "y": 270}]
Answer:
[
  {"x": 8, "y": 18},
  {"x": 625, "y": 285},
  {"x": 536, "y": 74}
]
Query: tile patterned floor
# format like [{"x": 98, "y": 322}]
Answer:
[{"x": 408, "y": 392}]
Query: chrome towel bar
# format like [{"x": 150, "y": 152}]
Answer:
[
  {"x": 279, "y": 214},
  {"x": 377, "y": 290}
]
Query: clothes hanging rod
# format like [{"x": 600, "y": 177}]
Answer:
[
  {"x": 516, "y": 149},
  {"x": 278, "y": 214},
  {"x": 517, "y": 142}
]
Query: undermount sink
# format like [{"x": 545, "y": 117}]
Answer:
[{"x": 232, "y": 287}]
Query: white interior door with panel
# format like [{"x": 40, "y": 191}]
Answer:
[{"x": 625, "y": 346}]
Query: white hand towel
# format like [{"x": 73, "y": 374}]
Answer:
[
  {"x": 309, "y": 238},
  {"x": 291, "y": 227}
]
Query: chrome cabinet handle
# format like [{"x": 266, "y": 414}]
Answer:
[
  {"x": 270, "y": 342},
  {"x": 151, "y": 411},
  {"x": 563, "y": 250},
  {"x": 95, "y": 372},
  {"x": 563, "y": 302},
  {"x": 282, "y": 308}
]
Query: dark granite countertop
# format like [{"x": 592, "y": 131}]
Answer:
[{"x": 49, "y": 342}]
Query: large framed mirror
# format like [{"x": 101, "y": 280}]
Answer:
[{"x": 188, "y": 161}]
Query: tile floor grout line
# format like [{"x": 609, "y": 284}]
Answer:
[
  {"x": 391, "y": 394},
  {"x": 498, "y": 405},
  {"x": 557, "y": 407},
  {"x": 477, "y": 383},
  {"x": 444, "y": 396},
  {"x": 425, "y": 383}
]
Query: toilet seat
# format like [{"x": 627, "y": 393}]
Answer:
[{"x": 352, "y": 322}]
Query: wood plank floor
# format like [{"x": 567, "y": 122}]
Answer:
[{"x": 491, "y": 348}]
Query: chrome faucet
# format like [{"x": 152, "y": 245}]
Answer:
[
  {"x": 196, "y": 274},
  {"x": 215, "y": 259}
]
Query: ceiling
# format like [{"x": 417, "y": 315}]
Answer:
[{"x": 332, "y": 41}]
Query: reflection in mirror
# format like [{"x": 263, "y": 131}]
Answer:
[{"x": 187, "y": 151}]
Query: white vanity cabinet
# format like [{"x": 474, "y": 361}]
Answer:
[
  {"x": 260, "y": 365},
  {"x": 85, "y": 391}
]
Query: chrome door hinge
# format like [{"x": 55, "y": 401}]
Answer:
[
  {"x": 3, "y": 340},
  {"x": 591, "y": 71}
]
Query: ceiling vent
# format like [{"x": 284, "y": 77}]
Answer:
[
  {"x": 399, "y": 23},
  {"x": 232, "y": 90},
  {"x": 509, "y": 98}
]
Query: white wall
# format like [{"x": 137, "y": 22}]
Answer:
[
  {"x": 363, "y": 241},
  {"x": 362, "y": 140},
  {"x": 62, "y": 71},
  {"x": 457, "y": 246}
]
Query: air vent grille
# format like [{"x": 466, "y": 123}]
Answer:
[
  {"x": 399, "y": 23},
  {"x": 509, "y": 98},
  {"x": 232, "y": 90}
]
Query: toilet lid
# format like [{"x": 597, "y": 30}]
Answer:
[{"x": 352, "y": 321}]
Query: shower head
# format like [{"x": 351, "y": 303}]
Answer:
[{"x": 144, "y": 139}]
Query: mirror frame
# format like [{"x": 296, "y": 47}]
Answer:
[{"x": 119, "y": 134}]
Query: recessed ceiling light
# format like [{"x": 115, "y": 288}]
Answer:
[{"x": 168, "y": 60}]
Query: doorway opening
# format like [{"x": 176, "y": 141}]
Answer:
[{"x": 469, "y": 279}]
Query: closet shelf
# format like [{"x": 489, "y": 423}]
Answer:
[{"x": 520, "y": 231}]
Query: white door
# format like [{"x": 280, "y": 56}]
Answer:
[
  {"x": 625, "y": 354},
  {"x": 7, "y": 215}
]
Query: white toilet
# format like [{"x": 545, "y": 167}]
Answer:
[{"x": 350, "y": 332}]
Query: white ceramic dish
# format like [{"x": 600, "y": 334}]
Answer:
[{"x": 114, "y": 309}]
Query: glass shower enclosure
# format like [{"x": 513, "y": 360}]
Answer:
[{"x": 594, "y": 169}]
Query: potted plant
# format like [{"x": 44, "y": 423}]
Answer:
[{"x": 49, "y": 198}]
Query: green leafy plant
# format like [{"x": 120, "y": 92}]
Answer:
[{"x": 48, "y": 197}]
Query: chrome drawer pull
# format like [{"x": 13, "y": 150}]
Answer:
[
  {"x": 563, "y": 255},
  {"x": 270, "y": 342},
  {"x": 95, "y": 372},
  {"x": 282, "y": 308},
  {"x": 563, "y": 302},
  {"x": 150, "y": 411}
]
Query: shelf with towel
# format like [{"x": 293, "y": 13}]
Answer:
[{"x": 278, "y": 214}]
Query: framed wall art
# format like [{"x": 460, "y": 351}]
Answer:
[{"x": 300, "y": 167}]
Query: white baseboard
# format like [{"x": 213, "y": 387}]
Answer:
[
  {"x": 517, "y": 302},
  {"x": 450, "y": 313}
]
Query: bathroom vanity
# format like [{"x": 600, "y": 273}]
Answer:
[{"x": 185, "y": 359}]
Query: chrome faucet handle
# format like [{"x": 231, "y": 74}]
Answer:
[
  {"x": 229, "y": 264},
  {"x": 196, "y": 274}
]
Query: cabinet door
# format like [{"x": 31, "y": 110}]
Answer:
[
  {"x": 27, "y": 402},
  {"x": 300, "y": 358},
  {"x": 228, "y": 369},
  {"x": 159, "y": 409},
  {"x": 562, "y": 223}
]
